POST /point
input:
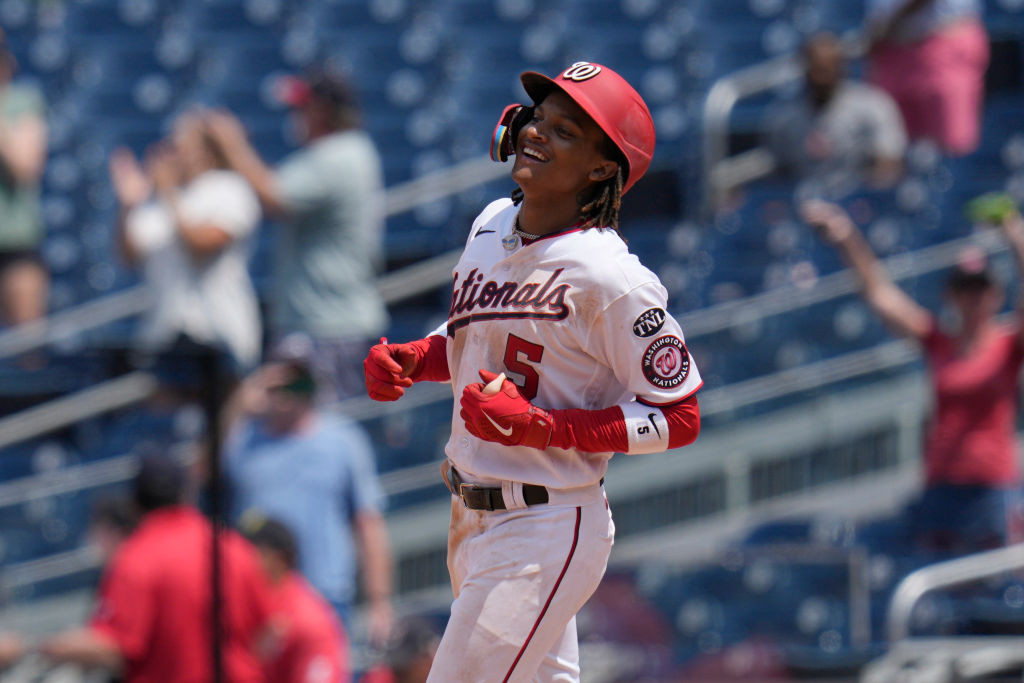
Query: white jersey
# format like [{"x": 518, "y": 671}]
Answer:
[{"x": 576, "y": 321}]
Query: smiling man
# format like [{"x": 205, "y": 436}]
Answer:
[{"x": 547, "y": 293}]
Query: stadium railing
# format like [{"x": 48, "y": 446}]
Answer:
[{"x": 963, "y": 657}]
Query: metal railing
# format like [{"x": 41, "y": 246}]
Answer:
[
  {"x": 946, "y": 575},
  {"x": 720, "y": 172},
  {"x": 90, "y": 402},
  {"x": 789, "y": 298}
]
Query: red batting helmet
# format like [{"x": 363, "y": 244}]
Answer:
[{"x": 612, "y": 103}]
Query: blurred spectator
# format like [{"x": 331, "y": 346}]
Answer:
[
  {"x": 24, "y": 282},
  {"x": 839, "y": 132},
  {"x": 931, "y": 56},
  {"x": 187, "y": 221},
  {"x": 970, "y": 451},
  {"x": 329, "y": 197},
  {"x": 313, "y": 471},
  {"x": 152, "y": 620},
  {"x": 314, "y": 646},
  {"x": 408, "y": 654}
]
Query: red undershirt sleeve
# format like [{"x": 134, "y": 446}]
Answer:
[{"x": 599, "y": 431}]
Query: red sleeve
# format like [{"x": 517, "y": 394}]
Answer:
[
  {"x": 125, "y": 610},
  {"x": 599, "y": 431},
  {"x": 431, "y": 360},
  {"x": 683, "y": 422}
]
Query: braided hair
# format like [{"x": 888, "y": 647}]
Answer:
[{"x": 599, "y": 208}]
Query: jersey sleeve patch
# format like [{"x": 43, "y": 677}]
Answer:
[
  {"x": 650, "y": 322},
  {"x": 666, "y": 362}
]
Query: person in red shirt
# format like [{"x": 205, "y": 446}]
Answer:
[
  {"x": 152, "y": 620},
  {"x": 313, "y": 647},
  {"x": 970, "y": 454}
]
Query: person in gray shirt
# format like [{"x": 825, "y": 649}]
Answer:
[
  {"x": 328, "y": 196},
  {"x": 839, "y": 132}
]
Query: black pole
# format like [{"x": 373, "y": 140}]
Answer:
[{"x": 210, "y": 365}]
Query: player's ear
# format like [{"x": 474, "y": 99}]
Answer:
[{"x": 603, "y": 171}]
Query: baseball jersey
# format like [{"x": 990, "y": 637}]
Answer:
[{"x": 576, "y": 321}]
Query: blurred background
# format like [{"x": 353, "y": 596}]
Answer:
[{"x": 768, "y": 550}]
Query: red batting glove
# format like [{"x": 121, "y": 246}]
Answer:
[
  {"x": 387, "y": 368},
  {"x": 505, "y": 417}
]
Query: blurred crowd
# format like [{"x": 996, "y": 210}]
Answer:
[
  {"x": 925, "y": 74},
  {"x": 302, "y": 480},
  {"x": 154, "y": 609},
  {"x": 925, "y": 65}
]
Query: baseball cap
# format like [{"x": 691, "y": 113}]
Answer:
[
  {"x": 614, "y": 105},
  {"x": 298, "y": 91},
  {"x": 264, "y": 532},
  {"x": 971, "y": 272},
  {"x": 296, "y": 352}
]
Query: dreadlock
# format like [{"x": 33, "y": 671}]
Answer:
[
  {"x": 602, "y": 211},
  {"x": 601, "y": 208}
]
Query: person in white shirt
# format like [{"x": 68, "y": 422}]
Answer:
[
  {"x": 842, "y": 132},
  {"x": 187, "y": 222}
]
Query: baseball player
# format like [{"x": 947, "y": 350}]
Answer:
[{"x": 546, "y": 294}]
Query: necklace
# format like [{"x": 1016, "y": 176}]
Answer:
[{"x": 523, "y": 235}]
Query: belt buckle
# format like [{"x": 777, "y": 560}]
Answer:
[
  {"x": 462, "y": 493},
  {"x": 473, "y": 488}
]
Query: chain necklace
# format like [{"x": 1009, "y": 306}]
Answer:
[{"x": 523, "y": 235}]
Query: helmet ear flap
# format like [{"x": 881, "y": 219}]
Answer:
[{"x": 503, "y": 142}]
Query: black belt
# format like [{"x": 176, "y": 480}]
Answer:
[{"x": 489, "y": 497}]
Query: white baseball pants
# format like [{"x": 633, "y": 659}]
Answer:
[{"x": 519, "y": 577}]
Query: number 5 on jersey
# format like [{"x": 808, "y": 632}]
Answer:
[{"x": 517, "y": 352}]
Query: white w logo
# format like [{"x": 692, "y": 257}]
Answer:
[{"x": 581, "y": 71}]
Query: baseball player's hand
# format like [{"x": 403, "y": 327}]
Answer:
[
  {"x": 834, "y": 225},
  {"x": 387, "y": 368},
  {"x": 504, "y": 417}
]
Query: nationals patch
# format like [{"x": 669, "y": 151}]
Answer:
[
  {"x": 649, "y": 322},
  {"x": 666, "y": 362}
]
